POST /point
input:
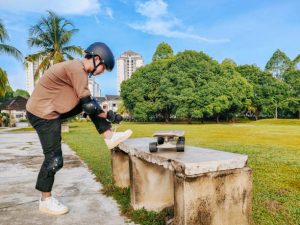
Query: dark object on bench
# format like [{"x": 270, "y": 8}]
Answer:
[{"x": 168, "y": 139}]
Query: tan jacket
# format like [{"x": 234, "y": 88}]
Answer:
[{"x": 59, "y": 90}]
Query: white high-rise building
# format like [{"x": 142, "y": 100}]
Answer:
[
  {"x": 127, "y": 63},
  {"x": 94, "y": 87},
  {"x": 31, "y": 68}
]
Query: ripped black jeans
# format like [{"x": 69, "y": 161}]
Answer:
[{"x": 49, "y": 132}]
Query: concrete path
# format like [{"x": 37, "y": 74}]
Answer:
[{"x": 20, "y": 160}]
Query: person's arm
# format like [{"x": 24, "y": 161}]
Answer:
[{"x": 91, "y": 107}]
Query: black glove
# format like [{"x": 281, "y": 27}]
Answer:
[{"x": 113, "y": 117}]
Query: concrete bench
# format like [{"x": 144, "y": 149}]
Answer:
[{"x": 204, "y": 186}]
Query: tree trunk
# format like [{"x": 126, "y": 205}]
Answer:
[
  {"x": 189, "y": 120},
  {"x": 218, "y": 118},
  {"x": 10, "y": 120},
  {"x": 276, "y": 111},
  {"x": 256, "y": 114},
  {"x": 299, "y": 114},
  {"x": 166, "y": 118}
]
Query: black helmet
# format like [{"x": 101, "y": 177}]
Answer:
[{"x": 103, "y": 51}]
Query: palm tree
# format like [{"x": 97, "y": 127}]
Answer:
[
  {"x": 51, "y": 35},
  {"x": 3, "y": 82},
  {"x": 296, "y": 61},
  {"x": 7, "y": 49}
]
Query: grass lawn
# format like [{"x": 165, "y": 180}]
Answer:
[
  {"x": 273, "y": 147},
  {"x": 23, "y": 129}
]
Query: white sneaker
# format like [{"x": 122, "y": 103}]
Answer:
[
  {"x": 52, "y": 206},
  {"x": 117, "y": 138}
]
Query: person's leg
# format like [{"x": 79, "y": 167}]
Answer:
[
  {"x": 102, "y": 125},
  {"x": 107, "y": 134},
  {"x": 49, "y": 132},
  {"x": 112, "y": 139}
]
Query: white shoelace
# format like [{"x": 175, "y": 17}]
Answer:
[
  {"x": 115, "y": 128},
  {"x": 56, "y": 201}
]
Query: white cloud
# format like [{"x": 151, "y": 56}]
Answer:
[
  {"x": 109, "y": 12},
  {"x": 153, "y": 8},
  {"x": 70, "y": 7},
  {"x": 159, "y": 22},
  {"x": 97, "y": 19}
]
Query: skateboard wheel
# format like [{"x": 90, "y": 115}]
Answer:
[
  {"x": 181, "y": 139},
  {"x": 180, "y": 146},
  {"x": 160, "y": 140},
  {"x": 153, "y": 147}
]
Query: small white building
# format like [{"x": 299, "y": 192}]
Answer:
[
  {"x": 109, "y": 102},
  {"x": 15, "y": 108}
]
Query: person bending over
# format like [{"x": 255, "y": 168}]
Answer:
[{"x": 62, "y": 92}]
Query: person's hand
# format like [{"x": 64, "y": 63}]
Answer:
[{"x": 103, "y": 115}]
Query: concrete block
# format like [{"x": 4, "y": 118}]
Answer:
[
  {"x": 151, "y": 186},
  {"x": 65, "y": 128},
  {"x": 193, "y": 161},
  {"x": 206, "y": 187},
  {"x": 120, "y": 168},
  {"x": 215, "y": 198}
]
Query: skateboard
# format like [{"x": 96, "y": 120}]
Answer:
[{"x": 168, "y": 139}]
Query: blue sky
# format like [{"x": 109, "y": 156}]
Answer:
[{"x": 246, "y": 31}]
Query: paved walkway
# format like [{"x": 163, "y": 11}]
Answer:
[{"x": 20, "y": 160}]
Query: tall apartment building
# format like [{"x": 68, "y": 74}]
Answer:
[
  {"x": 94, "y": 87},
  {"x": 31, "y": 68},
  {"x": 127, "y": 63}
]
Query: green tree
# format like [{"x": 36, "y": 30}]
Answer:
[
  {"x": 188, "y": 86},
  {"x": 9, "y": 94},
  {"x": 238, "y": 90},
  {"x": 20, "y": 92},
  {"x": 52, "y": 34},
  {"x": 296, "y": 62},
  {"x": 3, "y": 82},
  {"x": 6, "y": 49},
  {"x": 278, "y": 64},
  {"x": 163, "y": 51},
  {"x": 196, "y": 86},
  {"x": 292, "y": 78},
  {"x": 228, "y": 64},
  {"x": 261, "y": 82},
  {"x": 280, "y": 92},
  {"x": 269, "y": 95},
  {"x": 207, "y": 89},
  {"x": 140, "y": 92},
  {"x": 182, "y": 86}
]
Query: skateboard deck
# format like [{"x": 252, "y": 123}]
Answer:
[{"x": 169, "y": 133}]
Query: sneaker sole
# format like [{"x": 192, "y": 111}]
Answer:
[
  {"x": 121, "y": 140},
  {"x": 45, "y": 210}
]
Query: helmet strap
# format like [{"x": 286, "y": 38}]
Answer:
[{"x": 95, "y": 66}]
